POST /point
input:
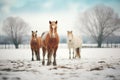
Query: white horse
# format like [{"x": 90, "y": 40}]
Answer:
[{"x": 75, "y": 43}]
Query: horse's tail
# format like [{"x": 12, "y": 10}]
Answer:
[{"x": 78, "y": 53}]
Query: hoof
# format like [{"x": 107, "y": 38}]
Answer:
[
  {"x": 80, "y": 57},
  {"x": 54, "y": 64},
  {"x": 48, "y": 63},
  {"x": 43, "y": 63},
  {"x": 38, "y": 59},
  {"x": 74, "y": 58},
  {"x": 32, "y": 59}
]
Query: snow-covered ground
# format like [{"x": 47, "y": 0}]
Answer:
[{"x": 95, "y": 64}]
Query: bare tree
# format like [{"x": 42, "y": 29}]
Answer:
[
  {"x": 100, "y": 22},
  {"x": 16, "y": 29}
]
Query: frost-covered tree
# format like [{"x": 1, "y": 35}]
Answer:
[
  {"x": 99, "y": 22},
  {"x": 15, "y": 28}
]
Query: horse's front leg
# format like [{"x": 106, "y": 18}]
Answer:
[
  {"x": 44, "y": 52},
  {"x": 69, "y": 53},
  {"x": 73, "y": 53},
  {"x": 54, "y": 55},
  {"x": 49, "y": 56},
  {"x": 32, "y": 55},
  {"x": 38, "y": 55}
]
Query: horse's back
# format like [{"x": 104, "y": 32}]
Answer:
[
  {"x": 43, "y": 38},
  {"x": 44, "y": 35}
]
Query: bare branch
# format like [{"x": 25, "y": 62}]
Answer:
[
  {"x": 16, "y": 28},
  {"x": 100, "y": 22}
]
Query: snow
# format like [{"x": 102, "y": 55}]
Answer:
[{"x": 95, "y": 64}]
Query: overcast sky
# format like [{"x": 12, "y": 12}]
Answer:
[{"x": 37, "y": 13}]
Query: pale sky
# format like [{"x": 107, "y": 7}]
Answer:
[{"x": 37, "y": 13}]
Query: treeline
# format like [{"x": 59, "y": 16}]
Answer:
[
  {"x": 7, "y": 40},
  {"x": 26, "y": 39},
  {"x": 62, "y": 45},
  {"x": 63, "y": 39}
]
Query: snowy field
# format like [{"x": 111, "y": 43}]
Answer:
[{"x": 95, "y": 64}]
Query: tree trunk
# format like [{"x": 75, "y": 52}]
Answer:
[
  {"x": 99, "y": 44},
  {"x": 16, "y": 46}
]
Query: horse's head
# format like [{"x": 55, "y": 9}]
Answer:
[
  {"x": 53, "y": 28},
  {"x": 69, "y": 35},
  {"x": 34, "y": 34}
]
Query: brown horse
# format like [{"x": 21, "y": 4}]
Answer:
[
  {"x": 50, "y": 41},
  {"x": 35, "y": 44}
]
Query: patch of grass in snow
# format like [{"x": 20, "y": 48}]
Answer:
[
  {"x": 5, "y": 78},
  {"x": 111, "y": 76},
  {"x": 97, "y": 68},
  {"x": 16, "y": 78},
  {"x": 101, "y": 62},
  {"x": 64, "y": 67}
]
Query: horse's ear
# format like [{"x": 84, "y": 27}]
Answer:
[
  {"x": 32, "y": 31},
  {"x": 49, "y": 22},
  {"x": 56, "y": 22},
  {"x": 36, "y": 31}
]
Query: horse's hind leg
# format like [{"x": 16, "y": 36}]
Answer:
[
  {"x": 36, "y": 54},
  {"x": 44, "y": 52},
  {"x": 77, "y": 53}
]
